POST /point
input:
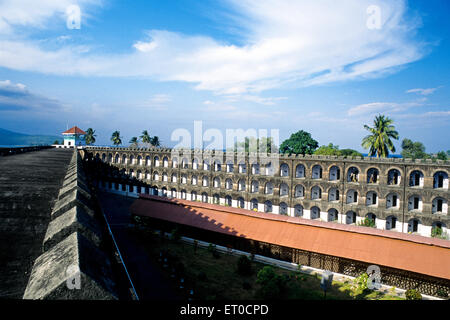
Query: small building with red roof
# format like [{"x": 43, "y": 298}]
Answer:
[{"x": 73, "y": 137}]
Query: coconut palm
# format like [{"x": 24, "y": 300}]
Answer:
[
  {"x": 155, "y": 141},
  {"x": 89, "y": 138},
  {"x": 145, "y": 137},
  {"x": 115, "y": 138},
  {"x": 134, "y": 142},
  {"x": 379, "y": 141}
]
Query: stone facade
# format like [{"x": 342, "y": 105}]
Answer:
[{"x": 399, "y": 194}]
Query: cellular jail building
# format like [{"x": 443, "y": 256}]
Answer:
[{"x": 400, "y": 195}]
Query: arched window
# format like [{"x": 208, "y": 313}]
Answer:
[
  {"x": 315, "y": 213},
  {"x": 300, "y": 171},
  {"x": 184, "y": 163},
  {"x": 195, "y": 164},
  {"x": 216, "y": 182},
  {"x": 174, "y": 163},
  {"x": 164, "y": 192},
  {"x": 183, "y": 179},
  {"x": 110, "y": 158},
  {"x": 353, "y": 174},
  {"x": 173, "y": 193},
  {"x": 332, "y": 215},
  {"x": 165, "y": 178},
  {"x": 194, "y": 196},
  {"x": 228, "y": 201},
  {"x": 103, "y": 157},
  {"x": 269, "y": 169},
  {"x": 205, "y": 181},
  {"x": 316, "y": 193},
  {"x": 117, "y": 159},
  {"x": 352, "y": 197},
  {"x": 268, "y": 206},
  {"x": 333, "y": 194},
  {"x": 147, "y": 161},
  {"x": 283, "y": 208},
  {"x": 371, "y": 198},
  {"x": 394, "y": 177},
  {"x": 241, "y": 185},
  {"x": 284, "y": 190},
  {"x": 371, "y": 216},
  {"x": 216, "y": 199},
  {"x": 204, "y": 197},
  {"x": 268, "y": 188},
  {"x": 183, "y": 194},
  {"x": 139, "y": 160},
  {"x": 241, "y": 202},
  {"x": 392, "y": 201},
  {"x": 284, "y": 170},
  {"x": 255, "y": 168},
  {"x": 416, "y": 179},
  {"x": 156, "y": 160},
  {"x": 298, "y": 210},
  {"x": 440, "y": 180},
  {"x": 350, "y": 217},
  {"x": 415, "y": 203},
  {"x": 194, "y": 180},
  {"x": 217, "y": 166},
  {"x": 206, "y": 165},
  {"x": 132, "y": 160},
  {"x": 139, "y": 174},
  {"x": 372, "y": 175},
  {"x": 124, "y": 159},
  {"x": 229, "y": 166},
  {"x": 316, "y": 172},
  {"x": 335, "y": 173},
  {"x": 174, "y": 177},
  {"x": 299, "y": 191},
  {"x": 391, "y": 222},
  {"x": 255, "y": 186},
  {"x": 439, "y": 205},
  {"x": 413, "y": 225},
  {"x": 156, "y": 176},
  {"x": 253, "y": 204},
  {"x": 165, "y": 162},
  {"x": 228, "y": 184},
  {"x": 242, "y": 167}
]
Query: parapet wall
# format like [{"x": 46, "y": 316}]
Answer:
[{"x": 72, "y": 264}]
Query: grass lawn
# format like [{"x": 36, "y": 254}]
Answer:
[{"x": 216, "y": 278}]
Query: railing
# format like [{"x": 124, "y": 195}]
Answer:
[{"x": 18, "y": 150}]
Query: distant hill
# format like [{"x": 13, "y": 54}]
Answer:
[{"x": 10, "y": 138}]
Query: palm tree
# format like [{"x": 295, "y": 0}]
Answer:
[
  {"x": 145, "y": 137},
  {"x": 379, "y": 141},
  {"x": 155, "y": 141},
  {"x": 134, "y": 141},
  {"x": 89, "y": 138},
  {"x": 115, "y": 138}
]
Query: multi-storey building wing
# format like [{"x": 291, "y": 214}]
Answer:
[{"x": 398, "y": 194}]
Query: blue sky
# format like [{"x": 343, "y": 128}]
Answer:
[{"x": 287, "y": 65}]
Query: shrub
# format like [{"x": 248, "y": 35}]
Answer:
[
  {"x": 244, "y": 266},
  {"x": 360, "y": 284},
  {"x": 272, "y": 285},
  {"x": 367, "y": 223},
  {"x": 412, "y": 294},
  {"x": 442, "y": 293}
]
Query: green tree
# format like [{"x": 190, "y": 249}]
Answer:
[
  {"x": 252, "y": 144},
  {"x": 379, "y": 141},
  {"x": 56, "y": 142},
  {"x": 413, "y": 150},
  {"x": 272, "y": 285},
  {"x": 300, "y": 142},
  {"x": 145, "y": 137},
  {"x": 350, "y": 153},
  {"x": 116, "y": 139},
  {"x": 329, "y": 150},
  {"x": 154, "y": 141},
  {"x": 89, "y": 138},
  {"x": 134, "y": 142},
  {"x": 441, "y": 155}
]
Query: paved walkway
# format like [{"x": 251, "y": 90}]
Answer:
[{"x": 147, "y": 279}]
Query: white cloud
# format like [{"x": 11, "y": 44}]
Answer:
[
  {"x": 379, "y": 107},
  {"x": 424, "y": 92},
  {"x": 300, "y": 42}
]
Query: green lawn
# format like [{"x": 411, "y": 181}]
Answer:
[{"x": 215, "y": 278}]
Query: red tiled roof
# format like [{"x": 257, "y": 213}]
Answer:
[
  {"x": 74, "y": 130},
  {"x": 385, "y": 248}
]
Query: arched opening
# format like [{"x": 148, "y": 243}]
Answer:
[
  {"x": 217, "y": 166},
  {"x": 204, "y": 197},
  {"x": 156, "y": 176},
  {"x": 372, "y": 175},
  {"x": 242, "y": 167},
  {"x": 372, "y": 217},
  {"x": 283, "y": 208},
  {"x": 352, "y": 197},
  {"x": 139, "y": 160},
  {"x": 216, "y": 198},
  {"x": 268, "y": 188},
  {"x": 298, "y": 210},
  {"x": 268, "y": 206},
  {"x": 440, "y": 180},
  {"x": 371, "y": 198},
  {"x": 392, "y": 201},
  {"x": 316, "y": 172},
  {"x": 284, "y": 190},
  {"x": 438, "y": 230},
  {"x": 332, "y": 215},
  {"x": 195, "y": 164},
  {"x": 255, "y": 168},
  {"x": 333, "y": 194},
  {"x": 206, "y": 165},
  {"x": 183, "y": 179},
  {"x": 254, "y": 204},
  {"x": 241, "y": 202},
  {"x": 316, "y": 193},
  {"x": 194, "y": 180},
  {"x": 156, "y": 161},
  {"x": 353, "y": 174},
  {"x": 284, "y": 170},
  {"x": 164, "y": 192},
  {"x": 165, "y": 177},
  {"x": 415, "y": 203},
  {"x": 205, "y": 181},
  {"x": 300, "y": 171},
  {"x": 241, "y": 185},
  {"x": 183, "y": 194},
  {"x": 315, "y": 213},
  {"x": 416, "y": 179},
  {"x": 439, "y": 205},
  {"x": 228, "y": 201},
  {"x": 185, "y": 163},
  {"x": 216, "y": 182},
  {"x": 255, "y": 186},
  {"x": 173, "y": 193},
  {"x": 229, "y": 184},
  {"x": 413, "y": 225},
  {"x": 117, "y": 159},
  {"x": 175, "y": 163},
  {"x": 391, "y": 222},
  {"x": 335, "y": 173},
  {"x": 174, "y": 177},
  {"x": 147, "y": 161},
  {"x": 165, "y": 162},
  {"x": 350, "y": 217},
  {"x": 299, "y": 191},
  {"x": 229, "y": 166},
  {"x": 194, "y": 196}
]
